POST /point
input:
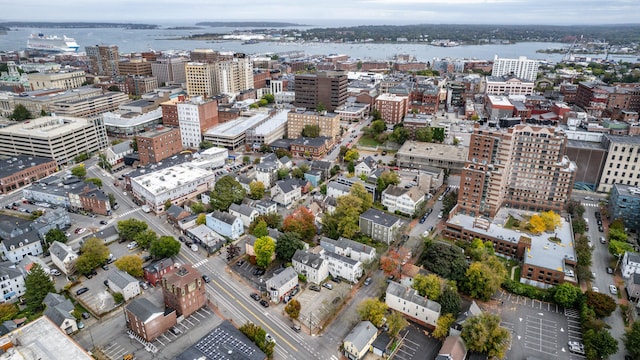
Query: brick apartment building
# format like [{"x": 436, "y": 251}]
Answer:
[
  {"x": 22, "y": 170},
  {"x": 158, "y": 144},
  {"x": 147, "y": 320},
  {"x": 184, "y": 290},
  {"x": 297, "y": 119},
  {"x": 137, "y": 67},
  {"x": 328, "y": 88},
  {"x": 425, "y": 98},
  {"x": 392, "y": 108}
]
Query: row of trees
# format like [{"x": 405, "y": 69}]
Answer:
[{"x": 138, "y": 231}]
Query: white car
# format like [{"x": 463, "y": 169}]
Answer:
[
  {"x": 56, "y": 272},
  {"x": 595, "y": 289},
  {"x": 613, "y": 289},
  {"x": 269, "y": 338},
  {"x": 132, "y": 245},
  {"x": 81, "y": 230}
]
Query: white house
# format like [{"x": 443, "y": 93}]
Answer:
[
  {"x": 280, "y": 284},
  {"x": 115, "y": 154},
  {"x": 335, "y": 189},
  {"x": 16, "y": 247},
  {"x": 245, "y": 213},
  {"x": 406, "y": 201},
  {"x": 630, "y": 264},
  {"x": 286, "y": 192},
  {"x": 349, "y": 248},
  {"x": 343, "y": 267},
  {"x": 121, "y": 282},
  {"x": 407, "y": 301},
  {"x": 265, "y": 207},
  {"x": 358, "y": 341},
  {"x": 225, "y": 224},
  {"x": 63, "y": 257},
  {"x": 60, "y": 311},
  {"x": 11, "y": 282},
  {"x": 311, "y": 265},
  {"x": 366, "y": 166}
]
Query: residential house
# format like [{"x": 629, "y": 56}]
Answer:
[
  {"x": 349, "y": 248},
  {"x": 210, "y": 240},
  {"x": 330, "y": 204},
  {"x": 147, "y": 320},
  {"x": 311, "y": 265},
  {"x": 323, "y": 166},
  {"x": 633, "y": 287},
  {"x": 245, "y": 181},
  {"x": 311, "y": 148},
  {"x": 63, "y": 257},
  {"x": 453, "y": 348},
  {"x": 282, "y": 283},
  {"x": 314, "y": 177},
  {"x": 123, "y": 283},
  {"x": 407, "y": 301},
  {"x": 27, "y": 263},
  {"x": 267, "y": 173},
  {"x": 59, "y": 310},
  {"x": 188, "y": 222},
  {"x": 176, "y": 213},
  {"x": 115, "y": 154},
  {"x": 107, "y": 235},
  {"x": 286, "y": 192},
  {"x": 379, "y": 225},
  {"x": 154, "y": 272},
  {"x": 343, "y": 267},
  {"x": 405, "y": 201},
  {"x": 250, "y": 240},
  {"x": 286, "y": 162},
  {"x": 366, "y": 166},
  {"x": 89, "y": 198},
  {"x": 265, "y": 206},
  {"x": 20, "y": 244},
  {"x": 184, "y": 290},
  {"x": 225, "y": 224},
  {"x": 335, "y": 190},
  {"x": 469, "y": 309},
  {"x": 630, "y": 264},
  {"x": 358, "y": 341},
  {"x": 244, "y": 212},
  {"x": 381, "y": 344},
  {"x": 11, "y": 282}
]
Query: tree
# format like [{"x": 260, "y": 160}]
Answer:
[
  {"x": 445, "y": 260},
  {"x": 348, "y": 214},
  {"x": 438, "y": 134},
  {"x": 164, "y": 247},
  {"x": 359, "y": 191},
  {"x": 351, "y": 155},
  {"x": 618, "y": 248},
  {"x": 145, "y": 238},
  {"x": 233, "y": 251},
  {"x": 483, "y": 333},
  {"x": 246, "y": 159},
  {"x": 616, "y": 234},
  {"x": 258, "y": 336},
  {"x": 603, "y": 305},
  {"x": 400, "y": 135},
  {"x": 443, "y": 325},
  {"x": 287, "y": 245},
  {"x": 97, "y": 182},
  {"x": 320, "y": 107},
  {"x": 372, "y": 310},
  {"x": 280, "y": 153},
  {"x": 201, "y": 219},
  {"x": 167, "y": 204},
  {"x": 112, "y": 199},
  {"x": 302, "y": 222},
  {"x": 118, "y": 298},
  {"x": 396, "y": 323},
  {"x": 631, "y": 339},
  {"x": 450, "y": 300},
  {"x": 269, "y": 97},
  {"x": 428, "y": 285},
  {"x": 388, "y": 178},
  {"x": 482, "y": 281},
  {"x": 103, "y": 162},
  {"x": 264, "y": 248},
  {"x": 566, "y": 294},
  {"x": 197, "y": 208},
  {"x": 93, "y": 254},
  {"x": 599, "y": 344},
  {"x": 424, "y": 134},
  {"x": 130, "y": 227},
  {"x": 536, "y": 224},
  {"x": 312, "y": 131},
  {"x": 8, "y": 311},
  {"x": 256, "y": 190},
  {"x": 391, "y": 263},
  {"x": 293, "y": 308},
  {"x": 130, "y": 264},
  {"x": 282, "y": 173},
  {"x": 79, "y": 171},
  {"x": 20, "y": 113},
  {"x": 297, "y": 173},
  {"x": 37, "y": 285},
  {"x": 378, "y": 127},
  {"x": 273, "y": 220},
  {"x": 260, "y": 229},
  {"x": 227, "y": 191},
  {"x": 52, "y": 235},
  {"x": 551, "y": 220}
]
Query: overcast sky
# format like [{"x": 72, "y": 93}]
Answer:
[{"x": 330, "y": 12}]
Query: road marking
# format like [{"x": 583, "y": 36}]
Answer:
[
  {"x": 128, "y": 212},
  {"x": 200, "y": 263}
]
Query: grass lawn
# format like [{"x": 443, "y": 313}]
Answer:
[{"x": 368, "y": 141}]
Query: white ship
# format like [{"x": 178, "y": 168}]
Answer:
[{"x": 52, "y": 43}]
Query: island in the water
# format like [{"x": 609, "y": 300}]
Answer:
[
  {"x": 247, "y": 24},
  {"x": 79, "y": 25}
]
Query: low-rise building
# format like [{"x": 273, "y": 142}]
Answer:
[
  {"x": 225, "y": 224},
  {"x": 379, "y": 225},
  {"x": 204, "y": 236},
  {"x": 123, "y": 283},
  {"x": 286, "y": 192},
  {"x": 184, "y": 290},
  {"x": 349, "y": 248},
  {"x": 154, "y": 272},
  {"x": 405, "y": 201},
  {"x": 158, "y": 144},
  {"x": 245, "y": 213},
  {"x": 115, "y": 154},
  {"x": 407, "y": 301},
  {"x": 453, "y": 348},
  {"x": 21, "y": 170},
  {"x": 223, "y": 342},
  {"x": 63, "y": 257},
  {"x": 359, "y": 340},
  {"x": 633, "y": 287},
  {"x": 281, "y": 284},
  {"x": 630, "y": 264},
  {"x": 417, "y": 155},
  {"x": 11, "y": 282},
  {"x": 147, "y": 320},
  {"x": 60, "y": 311},
  {"x": 366, "y": 166},
  {"x": 311, "y": 148},
  {"x": 343, "y": 267},
  {"x": 508, "y": 85},
  {"x": 311, "y": 265},
  {"x": 22, "y": 243},
  {"x": 266, "y": 207}
]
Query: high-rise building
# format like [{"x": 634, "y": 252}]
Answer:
[
  {"x": 104, "y": 59},
  {"x": 521, "y": 67},
  {"x": 221, "y": 77},
  {"x": 169, "y": 70},
  {"x": 521, "y": 167},
  {"x": 195, "y": 116},
  {"x": 138, "y": 67},
  {"x": 326, "y": 88},
  {"x": 392, "y": 108},
  {"x": 199, "y": 78}
]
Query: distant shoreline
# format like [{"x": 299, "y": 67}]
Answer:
[
  {"x": 247, "y": 24},
  {"x": 79, "y": 25}
]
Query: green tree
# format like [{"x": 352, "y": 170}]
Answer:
[
  {"x": 94, "y": 253},
  {"x": 52, "y": 235},
  {"x": 118, "y": 298},
  {"x": 273, "y": 220},
  {"x": 112, "y": 199},
  {"x": 428, "y": 285},
  {"x": 482, "y": 281},
  {"x": 603, "y": 305},
  {"x": 631, "y": 340},
  {"x": 400, "y": 135},
  {"x": 201, "y": 219},
  {"x": 372, "y": 310},
  {"x": 197, "y": 208},
  {"x": 443, "y": 325},
  {"x": 445, "y": 260},
  {"x": 438, "y": 134},
  {"x": 347, "y": 214},
  {"x": 269, "y": 97},
  {"x": 260, "y": 229},
  {"x": 297, "y": 173},
  {"x": 280, "y": 153},
  {"x": 20, "y": 113},
  {"x": 227, "y": 191},
  {"x": 293, "y": 308},
  {"x": 360, "y": 192},
  {"x": 566, "y": 295},
  {"x": 396, "y": 323},
  {"x": 103, "y": 162},
  {"x": 246, "y": 159},
  {"x": 264, "y": 248},
  {"x": 8, "y": 311},
  {"x": 130, "y": 264},
  {"x": 351, "y": 155},
  {"x": 79, "y": 171},
  {"x": 167, "y": 204},
  {"x": 424, "y": 134},
  {"x": 287, "y": 245},
  {"x": 378, "y": 127},
  {"x": 97, "y": 182},
  {"x": 37, "y": 285},
  {"x": 320, "y": 107},
  {"x": 282, "y": 173},
  {"x": 618, "y": 248},
  {"x": 258, "y": 336},
  {"x": 129, "y": 228},
  {"x": 164, "y": 247},
  {"x": 312, "y": 131},
  {"x": 483, "y": 333},
  {"x": 599, "y": 344},
  {"x": 450, "y": 300},
  {"x": 145, "y": 238},
  {"x": 387, "y": 178},
  {"x": 302, "y": 222},
  {"x": 256, "y": 190}
]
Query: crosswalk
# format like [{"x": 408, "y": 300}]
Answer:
[
  {"x": 200, "y": 263},
  {"x": 590, "y": 204},
  {"x": 128, "y": 212}
]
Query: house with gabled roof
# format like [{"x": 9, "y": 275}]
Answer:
[
  {"x": 176, "y": 213},
  {"x": 63, "y": 257},
  {"x": 323, "y": 166},
  {"x": 358, "y": 341},
  {"x": 286, "y": 192},
  {"x": 349, "y": 248},
  {"x": 265, "y": 206},
  {"x": 469, "y": 309},
  {"x": 210, "y": 240},
  {"x": 379, "y": 225},
  {"x": 282, "y": 283},
  {"x": 405, "y": 201},
  {"x": 154, "y": 272},
  {"x": 453, "y": 348},
  {"x": 22, "y": 243},
  {"x": 343, "y": 267},
  {"x": 407, "y": 301},
  {"x": 335, "y": 189},
  {"x": 366, "y": 166},
  {"x": 225, "y": 224},
  {"x": 244, "y": 182},
  {"x": 121, "y": 282},
  {"x": 60, "y": 311},
  {"x": 147, "y": 320},
  {"x": 244, "y": 212},
  {"x": 311, "y": 265},
  {"x": 11, "y": 282},
  {"x": 115, "y": 154}
]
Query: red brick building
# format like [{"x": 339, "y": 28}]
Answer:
[
  {"x": 158, "y": 144},
  {"x": 153, "y": 273},
  {"x": 184, "y": 290},
  {"x": 95, "y": 201},
  {"x": 392, "y": 108},
  {"x": 22, "y": 170},
  {"x": 147, "y": 320},
  {"x": 170, "y": 113},
  {"x": 311, "y": 147},
  {"x": 260, "y": 78}
]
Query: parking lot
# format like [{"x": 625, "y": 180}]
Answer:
[
  {"x": 538, "y": 329},
  {"x": 416, "y": 344}
]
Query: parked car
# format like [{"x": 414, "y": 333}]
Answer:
[
  {"x": 314, "y": 287},
  {"x": 258, "y": 272},
  {"x": 55, "y": 272},
  {"x": 264, "y": 303},
  {"x": 182, "y": 239},
  {"x": 240, "y": 262},
  {"x": 132, "y": 245},
  {"x": 328, "y": 286},
  {"x": 367, "y": 281},
  {"x": 106, "y": 283},
  {"x": 255, "y": 296},
  {"x": 296, "y": 328},
  {"x": 105, "y": 267},
  {"x": 609, "y": 270},
  {"x": 85, "y": 315},
  {"x": 206, "y": 279},
  {"x": 294, "y": 291},
  {"x": 82, "y": 291},
  {"x": 336, "y": 280},
  {"x": 595, "y": 289},
  {"x": 144, "y": 285},
  {"x": 603, "y": 240},
  {"x": 613, "y": 289},
  {"x": 103, "y": 222}
]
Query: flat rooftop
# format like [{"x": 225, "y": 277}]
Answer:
[
  {"x": 499, "y": 100},
  {"x": 170, "y": 178},
  {"x": 434, "y": 150},
  {"x": 14, "y": 164},
  {"x": 47, "y": 127},
  {"x": 272, "y": 123},
  {"x": 237, "y": 127}
]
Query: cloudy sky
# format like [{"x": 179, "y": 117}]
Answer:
[{"x": 330, "y": 12}]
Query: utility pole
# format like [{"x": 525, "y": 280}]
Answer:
[{"x": 310, "y": 329}]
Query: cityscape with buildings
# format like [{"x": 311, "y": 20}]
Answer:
[{"x": 217, "y": 204}]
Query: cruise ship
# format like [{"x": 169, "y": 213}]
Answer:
[{"x": 52, "y": 43}]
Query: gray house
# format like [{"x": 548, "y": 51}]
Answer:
[
  {"x": 379, "y": 225},
  {"x": 59, "y": 310},
  {"x": 121, "y": 282},
  {"x": 357, "y": 343}
]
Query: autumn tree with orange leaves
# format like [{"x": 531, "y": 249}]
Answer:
[{"x": 301, "y": 222}]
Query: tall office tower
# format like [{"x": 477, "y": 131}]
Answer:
[
  {"x": 199, "y": 78},
  {"x": 104, "y": 59},
  {"x": 522, "y": 167},
  {"x": 328, "y": 88},
  {"x": 521, "y": 67},
  {"x": 169, "y": 70},
  {"x": 139, "y": 67}
]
